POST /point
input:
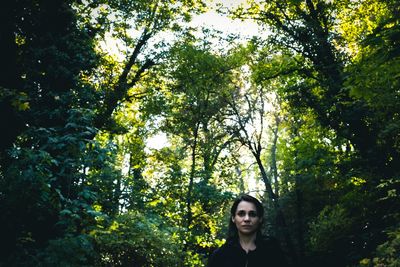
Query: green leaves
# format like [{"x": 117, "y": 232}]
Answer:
[
  {"x": 139, "y": 239},
  {"x": 316, "y": 102}
]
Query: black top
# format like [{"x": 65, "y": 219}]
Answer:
[{"x": 267, "y": 254}]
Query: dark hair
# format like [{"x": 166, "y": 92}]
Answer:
[{"x": 232, "y": 230}]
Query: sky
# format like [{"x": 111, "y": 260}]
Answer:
[
  {"x": 218, "y": 21},
  {"x": 210, "y": 19}
]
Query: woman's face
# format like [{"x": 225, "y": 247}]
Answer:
[{"x": 246, "y": 218}]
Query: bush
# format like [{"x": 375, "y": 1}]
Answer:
[
  {"x": 388, "y": 253},
  {"x": 134, "y": 239},
  {"x": 68, "y": 252}
]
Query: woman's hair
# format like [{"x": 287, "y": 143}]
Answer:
[{"x": 232, "y": 229}]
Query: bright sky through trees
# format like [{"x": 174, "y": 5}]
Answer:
[
  {"x": 221, "y": 22},
  {"x": 213, "y": 19}
]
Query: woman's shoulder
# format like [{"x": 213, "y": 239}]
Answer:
[
  {"x": 217, "y": 256},
  {"x": 225, "y": 255}
]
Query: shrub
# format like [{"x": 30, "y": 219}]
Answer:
[{"x": 134, "y": 239}]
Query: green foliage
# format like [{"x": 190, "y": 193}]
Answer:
[
  {"x": 193, "y": 260},
  {"x": 135, "y": 239},
  {"x": 332, "y": 225},
  {"x": 338, "y": 91},
  {"x": 79, "y": 185},
  {"x": 387, "y": 254},
  {"x": 68, "y": 251}
]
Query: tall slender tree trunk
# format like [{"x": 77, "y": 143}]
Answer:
[
  {"x": 280, "y": 218},
  {"x": 300, "y": 219},
  {"x": 299, "y": 207},
  {"x": 274, "y": 166},
  {"x": 189, "y": 214}
]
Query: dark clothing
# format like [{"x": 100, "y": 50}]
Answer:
[{"x": 267, "y": 254}]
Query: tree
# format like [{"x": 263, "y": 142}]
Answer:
[
  {"x": 320, "y": 61},
  {"x": 53, "y": 90},
  {"x": 46, "y": 60},
  {"x": 194, "y": 105}
]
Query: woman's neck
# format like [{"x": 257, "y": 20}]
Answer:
[{"x": 247, "y": 242}]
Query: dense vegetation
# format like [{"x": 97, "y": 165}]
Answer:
[{"x": 305, "y": 116}]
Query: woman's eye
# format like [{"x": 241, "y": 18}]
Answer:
[
  {"x": 243, "y": 213},
  {"x": 252, "y": 214}
]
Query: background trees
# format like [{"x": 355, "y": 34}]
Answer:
[
  {"x": 317, "y": 56},
  {"x": 305, "y": 118}
]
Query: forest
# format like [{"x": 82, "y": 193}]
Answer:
[{"x": 127, "y": 132}]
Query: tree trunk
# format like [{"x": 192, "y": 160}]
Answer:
[
  {"x": 189, "y": 215},
  {"x": 274, "y": 167},
  {"x": 280, "y": 218}
]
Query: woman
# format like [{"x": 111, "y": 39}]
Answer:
[{"x": 245, "y": 246}]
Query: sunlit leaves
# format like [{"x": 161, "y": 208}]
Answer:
[{"x": 358, "y": 20}]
